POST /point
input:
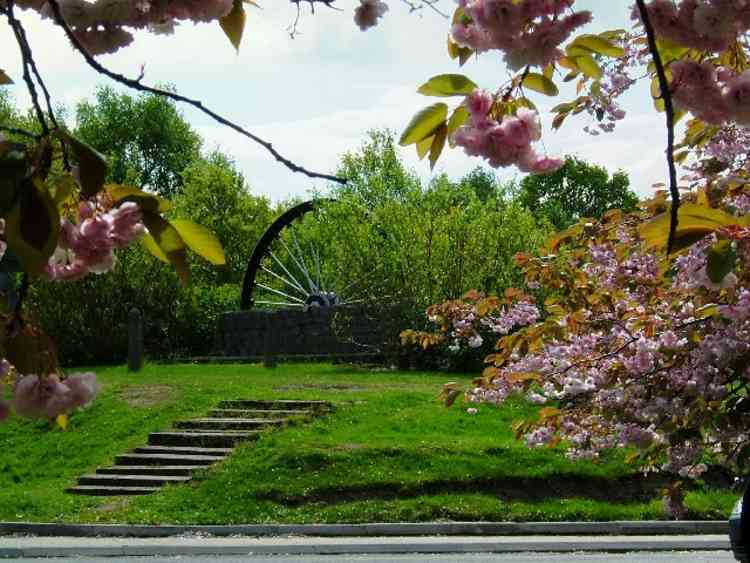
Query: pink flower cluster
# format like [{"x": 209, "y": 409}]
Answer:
[
  {"x": 506, "y": 142},
  {"x": 606, "y": 92},
  {"x": 35, "y": 396},
  {"x": 529, "y": 32},
  {"x": 368, "y": 12},
  {"x": 716, "y": 96},
  {"x": 640, "y": 363},
  {"x": 468, "y": 323},
  {"x": 724, "y": 157},
  {"x": 49, "y": 397},
  {"x": 706, "y": 25},
  {"x": 89, "y": 246},
  {"x": 100, "y": 24}
]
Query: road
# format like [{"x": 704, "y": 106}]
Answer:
[{"x": 639, "y": 557}]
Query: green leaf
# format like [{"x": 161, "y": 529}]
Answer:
[
  {"x": 150, "y": 244},
  {"x": 233, "y": 24},
  {"x": 447, "y": 85},
  {"x": 438, "y": 144},
  {"x": 14, "y": 166},
  {"x": 458, "y": 118},
  {"x": 166, "y": 236},
  {"x": 4, "y": 78},
  {"x": 63, "y": 188},
  {"x": 588, "y": 66},
  {"x": 92, "y": 166},
  {"x": 455, "y": 51},
  {"x": 599, "y": 45},
  {"x": 540, "y": 83},
  {"x": 424, "y": 146},
  {"x": 424, "y": 124},
  {"x": 32, "y": 227},
  {"x": 694, "y": 223},
  {"x": 145, "y": 200},
  {"x": 201, "y": 241},
  {"x": 722, "y": 258},
  {"x": 179, "y": 261},
  {"x": 169, "y": 243}
]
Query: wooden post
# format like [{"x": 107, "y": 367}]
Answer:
[
  {"x": 269, "y": 342},
  {"x": 135, "y": 340}
]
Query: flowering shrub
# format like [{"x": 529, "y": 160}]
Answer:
[
  {"x": 630, "y": 349},
  {"x": 62, "y": 222}
]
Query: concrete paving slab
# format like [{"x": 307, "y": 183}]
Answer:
[{"x": 114, "y": 547}]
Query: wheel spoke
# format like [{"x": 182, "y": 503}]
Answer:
[
  {"x": 316, "y": 256},
  {"x": 283, "y": 279},
  {"x": 279, "y": 292},
  {"x": 288, "y": 273},
  {"x": 304, "y": 264},
  {"x": 301, "y": 268},
  {"x": 278, "y": 303}
]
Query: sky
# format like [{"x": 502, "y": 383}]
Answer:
[{"x": 316, "y": 95}]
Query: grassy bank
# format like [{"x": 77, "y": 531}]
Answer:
[{"x": 390, "y": 452}]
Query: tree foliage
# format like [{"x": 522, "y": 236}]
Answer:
[
  {"x": 145, "y": 138},
  {"x": 574, "y": 191}
]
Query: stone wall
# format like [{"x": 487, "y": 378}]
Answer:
[{"x": 295, "y": 332}]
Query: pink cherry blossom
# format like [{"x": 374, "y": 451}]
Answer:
[{"x": 368, "y": 12}]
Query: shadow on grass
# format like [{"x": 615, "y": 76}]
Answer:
[{"x": 635, "y": 488}]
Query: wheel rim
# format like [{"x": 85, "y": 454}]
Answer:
[{"x": 285, "y": 271}]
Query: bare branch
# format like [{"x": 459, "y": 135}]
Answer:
[
  {"x": 292, "y": 29},
  {"x": 417, "y": 5},
  {"x": 666, "y": 95},
  {"x": 137, "y": 85},
  {"x": 27, "y": 60}
]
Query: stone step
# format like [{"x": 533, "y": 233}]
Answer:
[
  {"x": 177, "y": 450},
  {"x": 132, "y": 480},
  {"x": 228, "y": 423},
  {"x": 195, "y": 438},
  {"x": 110, "y": 491},
  {"x": 166, "y": 459},
  {"x": 178, "y": 470},
  {"x": 280, "y": 404},
  {"x": 258, "y": 413}
]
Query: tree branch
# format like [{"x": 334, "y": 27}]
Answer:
[
  {"x": 136, "y": 85},
  {"x": 666, "y": 95},
  {"x": 27, "y": 61},
  {"x": 20, "y": 132},
  {"x": 416, "y": 5}
]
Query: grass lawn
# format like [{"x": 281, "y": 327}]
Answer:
[{"x": 390, "y": 452}]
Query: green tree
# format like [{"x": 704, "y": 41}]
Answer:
[
  {"x": 400, "y": 241},
  {"x": 149, "y": 144},
  {"x": 375, "y": 172},
  {"x": 146, "y": 140},
  {"x": 216, "y": 196},
  {"x": 576, "y": 190}
]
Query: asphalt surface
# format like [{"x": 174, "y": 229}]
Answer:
[{"x": 641, "y": 557}]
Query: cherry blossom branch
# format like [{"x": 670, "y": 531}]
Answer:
[
  {"x": 415, "y": 6},
  {"x": 20, "y": 132},
  {"x": 27, "y": 62},
  {"x": 666, "y": 95},
  {"x": 136, "y": 85},
  {"x": 292, "y": 29}
]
